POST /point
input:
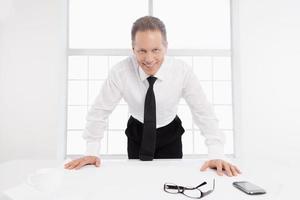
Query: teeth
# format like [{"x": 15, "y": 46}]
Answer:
[{"x": 149, "y": 65}]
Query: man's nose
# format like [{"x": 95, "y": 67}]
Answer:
[{"x": 149, "y": 58}]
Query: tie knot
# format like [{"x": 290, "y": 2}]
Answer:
[{"x": 151, "y": 80}]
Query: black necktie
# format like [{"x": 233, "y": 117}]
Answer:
[{"x": 149, "y": 131}]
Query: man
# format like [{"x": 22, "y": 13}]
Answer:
[{"x": 152, "y": 85}]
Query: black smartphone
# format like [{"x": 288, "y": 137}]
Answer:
[{"x": 248, "y": 187}]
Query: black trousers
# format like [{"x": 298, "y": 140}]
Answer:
[{"x": 168, "y": 139}]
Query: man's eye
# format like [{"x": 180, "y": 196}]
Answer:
[{"x": 142, "y": 51}]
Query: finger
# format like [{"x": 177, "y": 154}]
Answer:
[
  {"x": 227, "y": 169},
  {"x": 72, "y": 165},
  {"x": 205, "y": 166},
  {"x": 238, "y": 170},
  {"x": 97, "y": 162},
  {"x": 234, "y": 171},
  {"x": 82, "y": 163},
  {"x": 219, "y": 168},
  {"x": 87, "y": 161},
  {"x": 67, "y": 165}
]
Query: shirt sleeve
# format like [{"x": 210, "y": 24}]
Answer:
[
  {"x": 97, "y": 117},
  {"x": 203, "y": 115}
]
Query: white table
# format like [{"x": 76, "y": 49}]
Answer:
[{"x": 134, "y": 179}]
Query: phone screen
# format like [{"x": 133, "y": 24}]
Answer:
[{"x": 249, "y": 188}]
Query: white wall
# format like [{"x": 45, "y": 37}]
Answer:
[
  {"x": 268, "y": 60},
  {"x": 32, "y": 78}
]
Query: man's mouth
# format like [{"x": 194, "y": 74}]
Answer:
[{"x": 149, "y": 65}]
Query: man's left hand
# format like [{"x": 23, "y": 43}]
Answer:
[{"x": 222, "y": 167}]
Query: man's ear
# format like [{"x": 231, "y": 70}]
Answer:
[{"x": 166, "y": 44}]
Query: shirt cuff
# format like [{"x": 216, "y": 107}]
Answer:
[
  {"x": 216, "y": 151},
  {"x": 92, "y": 149}
]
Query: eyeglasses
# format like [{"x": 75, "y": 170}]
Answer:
[{"x": 191, "y": 192}]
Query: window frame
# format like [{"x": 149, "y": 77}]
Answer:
[{"x": 174, "y": 52}]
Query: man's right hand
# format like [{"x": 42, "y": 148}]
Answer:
[{"x": 80, "y": 162}]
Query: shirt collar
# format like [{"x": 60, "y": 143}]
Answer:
[{"x": 160, "y": 74}]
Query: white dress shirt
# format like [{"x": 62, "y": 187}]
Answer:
[{"x": 175, "y": 80}]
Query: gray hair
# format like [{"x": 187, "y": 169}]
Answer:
[{"x": 148, "y": 23}]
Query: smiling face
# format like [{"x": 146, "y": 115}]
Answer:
[{"x": 149, "y": 48}]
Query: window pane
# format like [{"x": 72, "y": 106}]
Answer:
[
  {"x": 77, "y": 91},
  {"x": 77, "y": 68},
  {"x": 199, "y": 143},
  {"x": 103, "y": 149},
  {"x": 195, "y": 24},
  {"x": 202, "y": 67},
  {"x": 117, "y": 142},
  {"x": 103, "y": 24},
  {"x": 94, "y": 89},
  {"x": 222, "y": 92},
  {"x": 185, "y": 115},
  {"x": 222, "y": 68},
  {"x": 187, "y": 142},
  {"x": 98, "y": 67},
  {"x": 113, "y": 60},
  {"x": 119, "y": 117},
  {"x": 224, "y": 114},
  {"x": 187, "y": 59},
  {"x": 228, "y": 147}
]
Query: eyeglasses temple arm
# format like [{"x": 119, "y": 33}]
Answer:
[{"x": 204, "y": 183}]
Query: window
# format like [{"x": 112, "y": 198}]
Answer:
[{"x": 99, "y": 37}]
